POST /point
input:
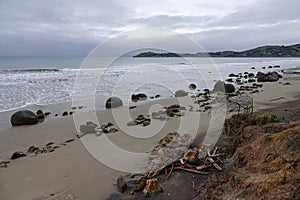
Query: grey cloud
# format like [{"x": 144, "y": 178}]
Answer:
[{"x": 64, "y": 27}]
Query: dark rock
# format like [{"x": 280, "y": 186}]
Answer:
[
  {"x": 132, "y": 107},
  {"x": 246, "y": 72},
  {"x": 73, "y": 108},
  {"x": 263, "y": 67},
  {"x": 71, "y": 113},
  {"x": 229, "y": 80},
  {"x": 56, "y": 115},
  {"x": 252, "y": 67},
  {"x": 180, "y": 93},
  {"x": 192, "y": 86},
  {"x": 268, "y": 77},
  {"x": 113, "y": 102},
  {"x": 80, "y": 107},
  {"x": 251, "y": 80},
  {"x": 229, "y": 88},
  {"x": 17, "y": 154},
  {"x": 251, "y": 75},
  {"x": 270, "y": 67},
  {"x": 138, "y": 97},
  {"x": 65, "y": 113},
  {"x": 23, "y": 117},
  {"x": 287, "y": 83},
  {"x": 157, "y": 96},
  {"x": 47, "y": 114},
  {"x": 276, "y": 66},
  {"x": 233, "y": 75}
]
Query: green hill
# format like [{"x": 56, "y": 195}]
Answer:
[{"x": 263, "y": 51}]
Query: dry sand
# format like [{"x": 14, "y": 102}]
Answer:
[{"x": 70, "y": 171}]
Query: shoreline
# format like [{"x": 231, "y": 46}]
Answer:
[{"x": 72, "y": 168}]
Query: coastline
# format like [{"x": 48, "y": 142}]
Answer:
[{"x": 71, "y": 168}]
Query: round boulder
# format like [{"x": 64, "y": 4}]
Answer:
[
  {"x": 180, "y": 93},
  {"x": 229, "y": 88},
  {"x": 23, "y": 117},
  {"x": 219, "y": 87},
  {"x": 113, "y": 102},
  {"x": 192, "y": 86}
]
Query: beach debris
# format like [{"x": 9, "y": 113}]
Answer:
[
  {"x": 132, "y": 183},
  {"x": 23, "y": 117},
  {"x": 152, "y": 186},
  {"x": 17, "y": 154},
  {"x": 113, "y": 102},
  {"x": 4, "y": 164},
  {"x": 93, "y": 128}
]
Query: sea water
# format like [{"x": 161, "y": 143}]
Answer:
[{"x": 51, "y": 80}]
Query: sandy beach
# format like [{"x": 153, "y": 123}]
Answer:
[{"x": 71, "y": 172}]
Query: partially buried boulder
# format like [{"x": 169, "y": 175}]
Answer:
[
  {"x": 180, "y": 93},
  {"x": 17, "y": 154},
  {"x": 113, "y": 102},
  {"x": 23, "y": 117}
]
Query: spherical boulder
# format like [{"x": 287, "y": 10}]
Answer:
[
  {"x": 113, "y": 102},
  {"x": 180, "y": 93},
  {"x": 229, "y": 88},
  {"x": 192, "y": 86},
  {"x": 219, "y": 86},
  {"x": 23, "y": 117}
]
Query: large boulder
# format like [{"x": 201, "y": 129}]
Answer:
[
  {"x": 268, "y": 77},
  {"x": 23, "y": 117},
  {"x": 220, "y": 86},
  {"x": 229, "y": 88},
  {"x": 113, "y": 102},
  {"x": 180, "y": 93}
]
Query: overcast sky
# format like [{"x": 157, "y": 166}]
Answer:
[{"x": 73, "y": 27}]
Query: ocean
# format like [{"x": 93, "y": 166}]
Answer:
[{"x": 52, "y": 80}]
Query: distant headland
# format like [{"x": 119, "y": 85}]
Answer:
[{"x": 262, "y": 51}]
